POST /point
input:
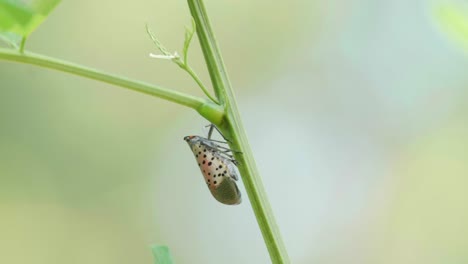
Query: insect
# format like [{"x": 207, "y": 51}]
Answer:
[{"x": 217, "y": 166}]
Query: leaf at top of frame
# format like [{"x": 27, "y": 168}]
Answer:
[{"x": 18, "y": 18}]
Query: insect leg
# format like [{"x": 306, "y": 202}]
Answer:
[
  {"x": 219, "y": 146},
  {"x": 228, "y": 149},
  {"x": 214, "y": 140},
  {"x": 211, "y": 131}
]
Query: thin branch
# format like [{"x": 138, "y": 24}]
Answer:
[
  {"x": 207, "y": 109},
  {"x": 210, "y": 50},
  {"x": 195, "y": 77}
]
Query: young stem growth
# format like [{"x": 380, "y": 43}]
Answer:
[{"x": 183, "y": 64}]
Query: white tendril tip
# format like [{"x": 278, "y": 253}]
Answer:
[{"x": 164, "y": 57}]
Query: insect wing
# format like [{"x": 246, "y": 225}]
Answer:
[{"x": 218, "y": 171}]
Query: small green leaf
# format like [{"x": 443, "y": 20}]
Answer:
[
  {"x": 161, "y": 255},
  {"x": 19, "y": 18},
  {"x": 453, "y": 20}
]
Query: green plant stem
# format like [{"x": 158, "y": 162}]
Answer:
[
  {"x": 233, "y": 129},
  {"x": 209, "y": 110},
  {"x": 210, "y": 49},
  {"x": 195, "y": 77}
]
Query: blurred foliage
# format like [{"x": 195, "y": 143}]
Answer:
[
  {"x": 20, "y": 18},
  {"x": 161, "y": 255},
  {"x": 429, "y": 215},
  {"x": 453, "y": 20}
]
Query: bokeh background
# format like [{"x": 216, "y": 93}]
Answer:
[{"x": 356, "y": 112}]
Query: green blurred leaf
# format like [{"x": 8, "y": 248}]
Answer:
[
  {"x": 21, "y": 17},
  {"x": 453, "y": 19},
  {"x": 161, "y": 255},
  {"x": 10, "y": 39}
]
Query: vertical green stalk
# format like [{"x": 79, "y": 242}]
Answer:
[{"x": 233, "y": 129}]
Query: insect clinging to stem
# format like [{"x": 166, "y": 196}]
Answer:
[{"x": 217, "y": 166}]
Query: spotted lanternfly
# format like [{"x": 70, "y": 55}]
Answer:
[{"x": 217, "y": 167}]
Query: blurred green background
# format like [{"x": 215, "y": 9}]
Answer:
[{"x": 356, "y": 112}]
